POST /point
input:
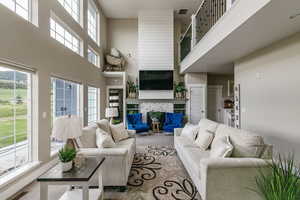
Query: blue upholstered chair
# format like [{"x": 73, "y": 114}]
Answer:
[
  {"x": 173, "y": 120},
  {"x": 135, "y": 122}
]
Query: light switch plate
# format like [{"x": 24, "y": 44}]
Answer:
[{"x": 44, "y": 115}]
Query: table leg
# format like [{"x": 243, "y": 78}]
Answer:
[
  {"x": 85, "y": 192},
  {"x": 43, "y": 191}
]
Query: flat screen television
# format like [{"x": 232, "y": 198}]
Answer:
[{"x": 156, "y": 80}]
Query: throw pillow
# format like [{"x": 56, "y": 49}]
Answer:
[
  {"x": 88, "y": 137},
  {"x": 119, "y": 132},
  {"x": 204, "y": 139},
  {"x": 104, "y": 125},
  {"x": 103, "y": 139},
  {"x": 247, "y": 145},
  {"x": 190, "y": 131},
  {"x": 222, "y": 148}
]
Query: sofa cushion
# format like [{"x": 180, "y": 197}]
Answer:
[
  {"x": 190, "y": 131},
  {"x": 104, "y": 139},
  {"x": 245, "y": 143},
  {"x": 222, "y": 148},
  {"x": 206, "y": 124},
  {"x": 204, "y": 139},
  {"x": 104, "y": 125},
  {"x": 118, "y": 132},
  {"x": 88, "y": 137},
  {"x": 193, "y": 157}
]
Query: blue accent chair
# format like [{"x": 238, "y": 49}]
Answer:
[
  {"x": 135, "y": 122},
  {"x": 172, "y": 121}
]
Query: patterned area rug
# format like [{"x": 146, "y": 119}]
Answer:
[{"x": 158, "y": 174}]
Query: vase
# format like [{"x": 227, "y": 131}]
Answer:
[{"x": 66, "y": 166}]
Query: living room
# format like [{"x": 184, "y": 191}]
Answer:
[{"x": 149, "y": 100}]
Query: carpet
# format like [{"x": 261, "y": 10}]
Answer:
[{"x": 157, "y": 173}]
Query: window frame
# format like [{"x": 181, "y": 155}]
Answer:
[
  {"x": 79, "y": 14},
  {"x": 14, "y": 9},
  {"x": 93, "y": 6},
  {"x": 97, "y": 104},
  {"x": 67, "y": 30},
  {"x": 30, "y": 124},
  {"x": 97, "y": 64},
  {"x": 79, "y": 106}
]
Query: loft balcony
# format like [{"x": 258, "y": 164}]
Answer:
[{"x": 222, "y": 31}]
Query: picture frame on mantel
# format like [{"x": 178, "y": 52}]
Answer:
[{"x": 237, "y": 106}]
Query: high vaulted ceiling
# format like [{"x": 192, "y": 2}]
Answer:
[{"x": 124, "y": 9}]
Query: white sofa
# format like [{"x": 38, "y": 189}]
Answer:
[
  {"x": 118, "y": 160},
  {"x": 220, "y": 178}
]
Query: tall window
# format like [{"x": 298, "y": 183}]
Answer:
[
  {"x": 21, "y": 7},
  {"x": 93, "y": 21},
  {"x": 58, "y": 32},
  {"x": 65, "y": 100},
  {"x": 72, "y": 7},
  {"x": 15, "y": 119},
  {"x": 93, "y": 57},
  {"x": 93, "y": 104}
]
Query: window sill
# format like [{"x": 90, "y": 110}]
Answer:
[{"x": 16, "y": 174}]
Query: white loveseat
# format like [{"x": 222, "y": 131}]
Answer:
[
  {"x": 220, "y": 178},
  {"x": 118, "y": 160}
]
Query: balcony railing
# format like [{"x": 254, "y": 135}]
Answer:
[{"x": 208, "y": 14}]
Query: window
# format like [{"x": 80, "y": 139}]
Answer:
[
  {"x": 21, "y": 7},
  {"x": 65, "y": 100},
  {"x": 93, "y": 104},
  {"x": 15, "y": 119},
  {"x": 93, "y": 57},
  {"x": 72, "y": 7},
  {"x": 93, "y": 21},
  {"x": 58, "y": 32}
]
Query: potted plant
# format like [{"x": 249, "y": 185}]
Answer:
[
  {"x": 179, "y": 90},
  {"x": 66, "y": 156},
  {"x": 281, "y": 181},
  {"x": 132, "y": 89}
]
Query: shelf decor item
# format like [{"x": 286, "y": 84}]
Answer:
[
  {"x": 67, "y": 129},
  {"x": 281, "y": 182},
  {"x": 132, "y": 89},
  {"x": 110, "y": 113},
  {"x": 237, "y": 106},
  {"x": 66, "y": 156},
  {"x": 179, "y": 90}
]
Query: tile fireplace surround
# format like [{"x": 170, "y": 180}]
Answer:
[{"x": 156, "y": 107}]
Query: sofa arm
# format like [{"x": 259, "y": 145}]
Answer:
[
  {"x": 232, "y": 178},
  {"x": 177, "y": 131},
  {"x": 131, "y": 133}
]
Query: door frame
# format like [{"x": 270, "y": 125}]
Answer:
[
  {"x": 220, "y": 88},
  {"x": 189, "y": 87}
]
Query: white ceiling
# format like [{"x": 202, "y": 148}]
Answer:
[{"x": 126, "y": 9}]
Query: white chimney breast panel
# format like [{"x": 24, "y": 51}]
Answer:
[{"x": 156, "y": 40}]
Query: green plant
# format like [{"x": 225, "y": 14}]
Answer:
[
  {"x": 179, "y": 87},
  {"x": 282, "y": 182},
  {"x": 66, "y": 154},
  {"x": 132, "y": 88}
]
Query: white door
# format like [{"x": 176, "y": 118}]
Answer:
[
  {"x": 197, "y": 107},
  {"x": 214, "y": 103}
]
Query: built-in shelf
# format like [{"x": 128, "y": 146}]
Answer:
[{"x": 114, "y": 74}]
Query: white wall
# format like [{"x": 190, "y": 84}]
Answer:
[
  {"x": 156, "y": 40},
  {"x": 25, "y": 43},
  {"x": 270, "y": 94},
  {"x": 123, "y": 35}
]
